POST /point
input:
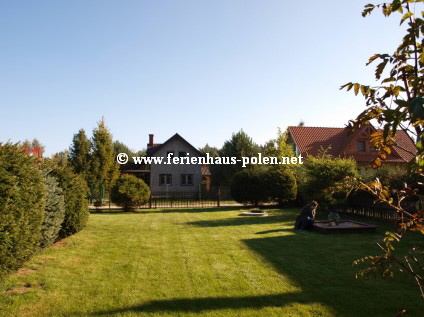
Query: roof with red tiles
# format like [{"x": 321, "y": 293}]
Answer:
[{"x": 309, "y": 141}]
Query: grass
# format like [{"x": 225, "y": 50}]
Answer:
[{"x": 207, "y": 262}]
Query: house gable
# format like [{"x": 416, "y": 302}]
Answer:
[{"x": 343, "y": 143}]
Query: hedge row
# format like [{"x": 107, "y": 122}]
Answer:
[{"x": 38, "y": 204}]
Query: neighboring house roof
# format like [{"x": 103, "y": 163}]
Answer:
[
  {"x": 156, "y": 147},
  {"x": 338, "y": 142}
]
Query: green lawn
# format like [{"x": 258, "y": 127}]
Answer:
[{"x": 203, "y": 263}]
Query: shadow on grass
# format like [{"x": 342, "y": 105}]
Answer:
[
  {"x": 243, "y": 220},
  {"x": 160, "y": 210},
  {"x": 206, "y": 304},
  {"x": 321, "y": 265}
]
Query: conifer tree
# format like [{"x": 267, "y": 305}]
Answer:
[{"x": 79, "y": 155}]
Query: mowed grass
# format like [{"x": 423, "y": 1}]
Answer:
[{"x": 208, "y": 262}]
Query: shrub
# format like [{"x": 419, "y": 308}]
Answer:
[
  {"x": 280, "y": 185},
  {"x": 322, "y": 172},
  {"x": 258, "y": 186},
  {"x": 21, "y": 207},
  {"x": 54, "y": 212},
  {"x": 75, "y": 192},
  {"x": 247, "y": 187},
  {"x": 129, "y": 192}
]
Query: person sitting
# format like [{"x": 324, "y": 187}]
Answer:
[{"x": 307, "y": 216}]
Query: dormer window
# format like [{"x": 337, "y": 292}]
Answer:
[
  {"x": 170, "y": 154},
  {"x": 361, "y": 146}
]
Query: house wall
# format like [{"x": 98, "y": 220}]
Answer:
[{"x": 175, "y": 169}]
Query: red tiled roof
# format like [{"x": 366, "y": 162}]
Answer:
[{"x": 309, "y": 140}]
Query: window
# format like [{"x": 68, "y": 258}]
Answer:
[
  {"x": 182, "y": 154},
  {"x": 361, "y": 146},
  {"x": 170, "y": 154},
  {"x": 165, "y": 179},
  {"x": 186, "y": 179}
]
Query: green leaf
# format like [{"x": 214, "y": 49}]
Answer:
[{"x": 406, "y": 16}]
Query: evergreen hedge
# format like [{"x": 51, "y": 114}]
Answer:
[
  {"x": 263, "y": 185},
  {"x": 54, "y": 212},
  {"x": 22, "y": 202},
  {"x": 75, "y": 192}
]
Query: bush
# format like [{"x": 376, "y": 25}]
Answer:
[
  {"x": 54, "y": 212},
  {"x": 129, "y": 192},
  {"x": 247, "y": 187},
  {"x": 322, "y": 172},
  {"x": 259, "y": 186},
  {"x": 75, "y": 192},
  {"x": 21, "y": 207},
  {"x": 280, "y": 185}
]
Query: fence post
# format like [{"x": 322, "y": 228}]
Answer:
[
  {"x": 150, "y": 201},
  {"x": 219, "y": 197}
]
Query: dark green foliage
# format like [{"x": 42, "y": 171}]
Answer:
[
  {"x": 76, "y": 204},
  {"x": 238, "y": 146},
  {"x": 246, "y": 187},
  {"x": 54, "y": 212},
  {"x": 393, "y": 176},
  {"x": 322, "y": 172},
  {"x": 79, "y": 154},
  {"x": 21, "y": 207},
  {"x": 130, "y": 191},
  {"x": 280, "y": 185},
  {"x": 104, "y": 168},
  {"x": 262, "y": 185}
]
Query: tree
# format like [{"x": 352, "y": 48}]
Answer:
[
  {"x": 396, "y": 102},
  {"x": 79, "y": 155},
  {"x": 119, "y": 147},
  {"x": 279, "y": 147},
  {"x": 280, "y": 185},
  {"x": 36, "y": 144},
  {"x": 211, "y": 150},
  {"x": 103, "y": 165},
  {"x": 263, "y": 185},
  {"x": 322, "y": 172},
  {"x": 75, "y": 193},
  {"x": 130, "y": 191},
  {"x": 54, "y": 212},
  {"x": 238, "y": 146},
  {"x": 22, "y": 201},
  {"x": 60, "y": 158}
]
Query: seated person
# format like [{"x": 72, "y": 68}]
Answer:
[{"x": 307, "y": 216}]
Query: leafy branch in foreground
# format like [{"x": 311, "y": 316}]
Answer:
[{"x": 396, "y": 103}]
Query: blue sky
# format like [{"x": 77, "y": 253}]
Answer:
[{"x": 204, "y": 69}]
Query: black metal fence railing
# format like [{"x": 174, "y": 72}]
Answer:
[
  {"x": 381, "y": 213},
  {"x": 184, "y": 199}
]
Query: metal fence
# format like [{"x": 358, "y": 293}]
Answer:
[
  {"x": 381, "y": 213},
  {"x": 184, "y": 199}
]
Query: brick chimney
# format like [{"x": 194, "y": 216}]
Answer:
[{"x": 151, "y": 143}]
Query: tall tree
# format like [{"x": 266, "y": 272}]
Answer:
[
  {"x": 104, "y": 168},
  {"x": 119, "y": 147},
  {"x": 211, "y": 150},
  {"x": 36, "y": 144},
  {"x": 79, "y": 155},
  {"x": 396, "y": 102},
  {"x": 61, "y": 158},
  {"x": 238, "y": 146}
]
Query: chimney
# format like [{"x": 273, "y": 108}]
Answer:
[{"x": 150, "y": 144}]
